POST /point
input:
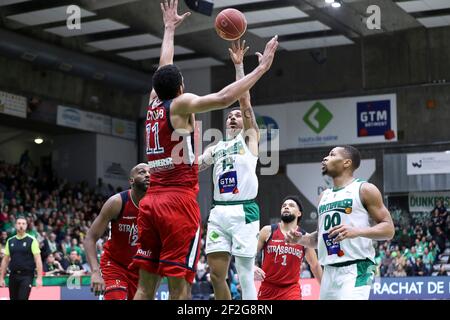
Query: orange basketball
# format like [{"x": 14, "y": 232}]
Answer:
[{"x": 230, "y": 24}]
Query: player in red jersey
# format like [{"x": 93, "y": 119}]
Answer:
[
  {"x": 169, "y": 215},
  {"x": 281, "y": 265},
  {"x": 119, "y": 212}
]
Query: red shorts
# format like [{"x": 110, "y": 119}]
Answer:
[
  {"x": 169, "y": 233},
  {"x": 120, "y": 283},
  {"x": 271, "y": 292}
]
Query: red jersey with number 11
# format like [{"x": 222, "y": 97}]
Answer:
[
  {"x": 121, "y": 246},
  {"x": 170, "y": 154},
  {"x": 281, "y": 261}
]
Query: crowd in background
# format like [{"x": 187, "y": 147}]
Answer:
[
  {"x": 420, "y": 246},
  {"x": 60, "y": 213}
]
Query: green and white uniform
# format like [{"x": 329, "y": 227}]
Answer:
[
  {"x": 233, "y": 223},
  {"x": 349, "y": 265}
]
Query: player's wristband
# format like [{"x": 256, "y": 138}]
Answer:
[{"x": 240, "y": 69}]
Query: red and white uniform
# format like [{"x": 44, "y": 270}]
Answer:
[
  {"x": 119, "y": 251},
  {"x": 169, "y": 216},
  {"x": 282, "y": 264}
]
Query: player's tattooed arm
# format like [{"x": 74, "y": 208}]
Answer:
[
  {"x": 205, "y": 160},
  {"x": 251, "y": 130},
  {"x": 237, "y": 53}
]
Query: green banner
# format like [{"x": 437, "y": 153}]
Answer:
[{"x": 59, "y": 281}]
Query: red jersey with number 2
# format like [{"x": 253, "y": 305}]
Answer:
[
  {"x": 170, "y": 154},
  {"x": 122, "y": 242},
  {"x": 281, "y": 261}
]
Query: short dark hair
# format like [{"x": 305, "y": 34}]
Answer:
[
  {"x": 167, "y": 81},
  {"x": 234, "y": 109},
  {"x": 297, "y": 200},
  {"x": 353, "y": 154},
  {"x": 21, "y": 217}
]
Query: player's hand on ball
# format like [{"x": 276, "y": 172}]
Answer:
[
  {"x": 170, "y": 15},
  {"x": 343, "y": 231},
  {"x": 266, "y": 59},
  {"x": 238, "y": 51},
  {"x": 259, "y": 273},
  {"x": 97, "y": 283},
  {"x": 293, "y": 236}
]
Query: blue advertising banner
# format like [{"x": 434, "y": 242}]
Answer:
[
  {"x": 374, "y": 118},
  {"x": 411, "y": 288}
]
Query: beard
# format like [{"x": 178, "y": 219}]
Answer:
[
  {"x": 287, "y": 218},
  {"x": 140, "y": 186}
]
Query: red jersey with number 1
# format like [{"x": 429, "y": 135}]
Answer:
[
  {"x": 281, "y": 261},
  {"x": 170, "y": 154},
  {"x": 121, "y": 246}
]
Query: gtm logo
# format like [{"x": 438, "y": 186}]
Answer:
[{"x": 318, "y": 117}]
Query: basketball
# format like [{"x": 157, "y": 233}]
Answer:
[{"x": 230, "y": 24}]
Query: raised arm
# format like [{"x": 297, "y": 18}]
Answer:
[
  {"x": 171, "y": 20},
  {"x": 251, "y": 130},
  {"x": 190, "y": 103},
  {"x": 373, "y": 202},
  {"x": 237, "y": 53},
  {"x": 110, "y": 211}
]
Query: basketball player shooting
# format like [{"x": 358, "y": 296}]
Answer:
[
  {"x": 233, "y": 223},
  {"x": 170, "y": 204}
]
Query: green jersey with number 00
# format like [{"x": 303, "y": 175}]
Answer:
[{"x": 343, "y": 206}]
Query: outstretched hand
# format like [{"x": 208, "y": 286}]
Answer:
[
  {"x": 293, "y": 236},
  {"x": 238, "y": 51},
  {"x": 266, "y": 59},
  {"x": 171, "y": 17}
]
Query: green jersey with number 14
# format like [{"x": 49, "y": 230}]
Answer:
[{"x": 234, "y": 173}]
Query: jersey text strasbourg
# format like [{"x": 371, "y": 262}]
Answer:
[{"x": 281, "y": 261}]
